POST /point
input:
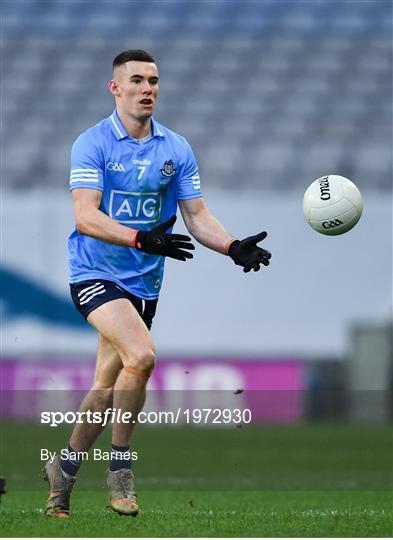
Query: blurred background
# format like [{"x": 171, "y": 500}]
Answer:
[{"x": 271, "y": 95}]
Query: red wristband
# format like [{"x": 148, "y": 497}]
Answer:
[{"x": 133, "y": 238}]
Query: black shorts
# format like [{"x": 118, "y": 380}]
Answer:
[{"x": 89, "y": 295}]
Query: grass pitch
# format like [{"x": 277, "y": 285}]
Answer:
[
  {"x": 216, "y": 514},
  {"x": 277, "y": 481}
]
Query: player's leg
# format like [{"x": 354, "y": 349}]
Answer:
[
  {"x": 88, "y": 297},
  {"x": 61, "y": 472},
  {"x": 96, "y": 301},
  {"x": 120, "y": 323},
  {"x": 100, "y": 397}
]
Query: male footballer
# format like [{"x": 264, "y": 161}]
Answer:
[{"x": 128, "y": 175}]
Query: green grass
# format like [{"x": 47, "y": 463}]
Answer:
[
  {"x": 212, "y": 513},
  {"x": 277, "y": 481}
]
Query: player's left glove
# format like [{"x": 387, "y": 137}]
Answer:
[{"x": 246, "y": 253}]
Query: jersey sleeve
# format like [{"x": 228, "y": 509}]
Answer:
[
  {"x": 189, "y": 184},
  {"x": 87, "y": 168}
]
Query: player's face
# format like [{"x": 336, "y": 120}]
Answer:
[{"x": 137, "y": 88}]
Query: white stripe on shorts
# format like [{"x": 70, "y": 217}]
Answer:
[
  {"x": 99, "y": 288},
  {"x": 92, "y": 296},
  {"x": 88, "y": 288}
]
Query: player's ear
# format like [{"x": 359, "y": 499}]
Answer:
[{"x": 113, "y": 87}]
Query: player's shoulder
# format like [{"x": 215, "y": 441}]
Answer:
[
  {"x": 174, "y": 138},
  {"x": 95, "y": 135}
]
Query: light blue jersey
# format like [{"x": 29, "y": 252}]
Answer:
[{"x": 141, "y": 183}]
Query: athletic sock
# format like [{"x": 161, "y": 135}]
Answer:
[
  {"x": 121, "y": 458},
  {"x": 69, "y": 465}
]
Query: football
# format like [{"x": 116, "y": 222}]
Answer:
[{"x": 332, "y": 205}]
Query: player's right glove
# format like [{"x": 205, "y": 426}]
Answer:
[
  {"x": 158, "y": 242},
  {"x": 246, "y": 253}
]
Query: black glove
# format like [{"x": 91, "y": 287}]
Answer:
[
  {"x": 158, "y": 242},
  {"x": 246, "y": 253}
]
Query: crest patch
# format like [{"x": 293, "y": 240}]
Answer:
[{"x": 168, "y": 169}]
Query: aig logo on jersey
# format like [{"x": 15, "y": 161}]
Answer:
[
  {"x": 113, "y": 166},
  {"x": 132, "y": 207}
]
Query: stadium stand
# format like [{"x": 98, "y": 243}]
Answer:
[{"x": 270, "y": 94}]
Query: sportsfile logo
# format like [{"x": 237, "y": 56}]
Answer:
[{"x": 132, "y": 207}]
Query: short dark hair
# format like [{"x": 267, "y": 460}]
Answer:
[{"x": 137, "y": 55}]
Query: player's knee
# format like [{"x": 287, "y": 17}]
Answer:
[
  {"x": 147, "y": 359},
  {"x": 143, "y": 360}
]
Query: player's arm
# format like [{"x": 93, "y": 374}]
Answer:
[
  {"x": 90, "y": 221},
  {"x": 203, "y": 226},
  {"x": 208, "y": 231}
]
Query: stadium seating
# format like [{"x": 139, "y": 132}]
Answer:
[{"x": 270, "y": 94}]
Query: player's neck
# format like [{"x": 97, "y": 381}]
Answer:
[{"x": 137, "y": 129}]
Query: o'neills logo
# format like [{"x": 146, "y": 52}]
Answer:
[{"x": 324, "y": 187}]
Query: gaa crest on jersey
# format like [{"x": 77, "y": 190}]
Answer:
[{"x": 168, "y": 169}]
